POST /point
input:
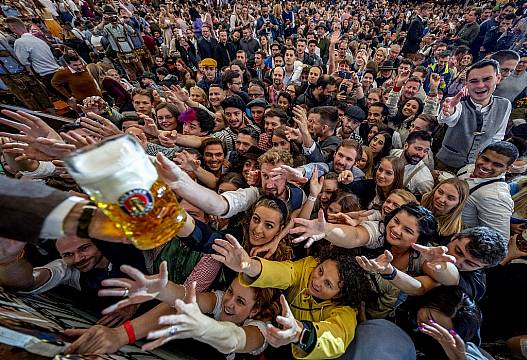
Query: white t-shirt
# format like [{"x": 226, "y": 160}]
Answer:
[{"x": 373, "y": 228}]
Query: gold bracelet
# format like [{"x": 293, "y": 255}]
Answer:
[
  {"x": 19, "y": 256},
  {"x": 184, "y": 294}
]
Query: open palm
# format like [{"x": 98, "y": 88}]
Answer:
[{"x": 140, "y": 288}]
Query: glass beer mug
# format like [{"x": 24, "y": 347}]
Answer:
[{"x": 118, "y": 175}]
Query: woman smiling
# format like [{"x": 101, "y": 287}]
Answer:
[{"x": 446, "y": 202}]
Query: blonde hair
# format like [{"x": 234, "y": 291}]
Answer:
[
  {"x": 277, "y": 10},
  {"x": 407, "y": 196},
  {"x": 275, "y": 157},
  {"x": 520, "y": 198},
  {"x": 450, "y": 223},
  {"x": 202, "y": 93}
]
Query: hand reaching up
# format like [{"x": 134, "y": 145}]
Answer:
[{"x": 138, "y": 289}]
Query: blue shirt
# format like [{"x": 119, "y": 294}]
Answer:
[
  {"x": 31, "y": 51},
  {"x": 8, "y": 62}
]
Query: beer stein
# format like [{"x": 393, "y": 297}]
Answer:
[{"x": 120, "y": 178}]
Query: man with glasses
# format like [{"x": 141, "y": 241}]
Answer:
[
  {"x": 508, "y": 60},
  {"x": 232, "y": 84},
  {"x": 516, "y": 82},
  {"x": 256, "y": 90}
]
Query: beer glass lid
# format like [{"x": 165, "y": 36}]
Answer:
[{"x": 111, "y": 155}]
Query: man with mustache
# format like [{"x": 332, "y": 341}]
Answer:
[{"x": 417, "y": 177}]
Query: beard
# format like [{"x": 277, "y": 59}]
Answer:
[{"x": 412, "y": 160}]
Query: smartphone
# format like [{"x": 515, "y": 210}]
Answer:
[
  {"x": 343, "y": 88},
  {"x": 345, "y": 74}
]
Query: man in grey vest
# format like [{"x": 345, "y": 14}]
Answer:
[{"x": 473, "y": 121}]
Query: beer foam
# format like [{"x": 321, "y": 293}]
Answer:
[{"x": 112, "y": 169}]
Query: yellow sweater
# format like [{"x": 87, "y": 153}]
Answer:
[{"x": 335, "y": 324}]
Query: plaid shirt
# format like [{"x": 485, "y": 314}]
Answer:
[
  {"x": 273, "y": 93},
  {"x": 264, "y": 142}
]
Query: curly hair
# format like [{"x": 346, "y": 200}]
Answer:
[
  {"x": 485, "y": 244},
  {"x": 275, "y": 157},
  {"x": 354, "y": 283}
]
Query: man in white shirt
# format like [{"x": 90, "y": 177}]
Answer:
[
  {"x": 417, "y": 177},
  {"x": 82, "y": 266},
  {"x": 473, "y": 121},
  {"x": 490, "y": 203}
]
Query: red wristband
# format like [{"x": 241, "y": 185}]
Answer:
[{"x": 130, "y": 332}]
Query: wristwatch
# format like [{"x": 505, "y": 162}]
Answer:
[
  {"x": 307, "y": 337},
  {"x": 84, "y": 220},
  {"x": 390, "y": 276}
]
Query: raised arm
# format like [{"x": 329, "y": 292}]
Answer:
[
  {"x": 339, "y": 235},
  {"x": 190, "y": 322},
  {"x": 206, "y": 199}
]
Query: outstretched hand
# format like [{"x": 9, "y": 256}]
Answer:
[
  {"x": 287, "y": 173},
  {"x": 231, "y": 253},
  {"x": 98, "y": 126},
  {"x": 138, "y": 289},
  {"x": 449, "y": 105},
  {"x": 450, "y": 341},
  {"x": 290, "y": 330},
  {"x": 382, "y": 264},
  {"x": 435, "y": 256},
  {"x": 310, "y": 230},
  {"x": 189, "y": 322},
  {"x": 169, "y": 172},
  {"x": 29, "y": 125}
]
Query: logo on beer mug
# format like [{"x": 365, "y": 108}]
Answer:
[
  {"x": 136, "y": 202},
  {"x": 120, "y": 177}
]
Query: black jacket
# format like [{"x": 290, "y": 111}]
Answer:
[
  {"x": 207, "y": 48},
  {"x": 414, "y": 36}
]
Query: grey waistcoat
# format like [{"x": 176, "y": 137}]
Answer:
[{"x": 472, "y": 133}]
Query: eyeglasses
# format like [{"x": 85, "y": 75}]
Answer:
[{"x": 255, "y": 95}]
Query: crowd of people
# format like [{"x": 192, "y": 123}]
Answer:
[{"x": 354, "y": 174}]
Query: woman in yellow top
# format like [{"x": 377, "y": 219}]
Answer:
[{"x": 319, "y": 316}]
